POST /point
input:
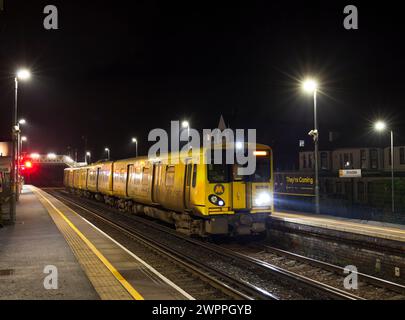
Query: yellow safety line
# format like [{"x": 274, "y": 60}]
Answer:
[
  {"x": 341, "y": 223},
  {"x": 135, "y": 294}
]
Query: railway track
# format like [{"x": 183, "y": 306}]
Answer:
[
  {"x": 369, "y": 287},
  {"x": 237, "y": 275},
  {"x": 215, "y": 284}
]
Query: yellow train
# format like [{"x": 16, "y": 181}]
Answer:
[{"x": 198, "y": 198}]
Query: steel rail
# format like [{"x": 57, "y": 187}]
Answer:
[
  {"x": 185, "y": 261},
  {"x": 291, "y": 277},
  {"x": 334, "y": 268}
]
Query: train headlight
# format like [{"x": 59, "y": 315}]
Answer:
[
  {"x": 216, "y": 200},
  {"x": 264, "y": 199}
]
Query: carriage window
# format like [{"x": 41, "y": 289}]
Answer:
[
  {"x": 169, "y": 176},
  {"x": 194, "y": 175},
  {"x": 145, "y": 176},
  {"x": 137, "y": 177}
]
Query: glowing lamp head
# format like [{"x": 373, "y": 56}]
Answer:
[
  {"x": 380, "y": 126},
  {"x": 24, "y": 138},
  {"x": 23, "y": 74},
  {"x": 309, "y": 85},
  {"x": 133, "y": 140},
  {"x": 88, "y": 153},
  {"x": 34, "y": 155},
  {"x": 22, "y": 121},
  {"x": 185, "y": 124},
  {"x": 107, "y": 150}
]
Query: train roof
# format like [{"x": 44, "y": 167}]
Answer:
[{"x": 170, "y": 154}]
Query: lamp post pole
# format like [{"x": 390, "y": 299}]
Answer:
[
  {"x": 134, "y": 140},
  {"x": 381, "y": 126},
  {"x": 88, "y": 157},
  {"x": 311, "y": 86},
  {"x": 14, "y": 157},
  {"x": 316, "y": 142}
]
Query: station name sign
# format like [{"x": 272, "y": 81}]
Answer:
[
  {"x": 352, "y": 173},
  {"x": 298, "y": 184}
]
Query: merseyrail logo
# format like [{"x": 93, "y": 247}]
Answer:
[{"x": 219, "y": 189}]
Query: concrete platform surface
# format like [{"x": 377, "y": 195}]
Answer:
[
  {"x": 375, "y": 229},
  {"x": 90, "y": 264},
  {"x": 33, "y": 243}
]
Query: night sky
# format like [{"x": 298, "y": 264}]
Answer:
[{"x": 114, "y": 70}]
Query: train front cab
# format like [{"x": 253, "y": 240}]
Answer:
[{"x": 234, "y": 204}]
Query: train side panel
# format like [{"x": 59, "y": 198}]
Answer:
[
  {"x": 76, "y": 178},
  {"x": 92, "y": 177},
  {"x": 171, "y": 187},
  {"x": 105, "y": 180},
  {"x": 140, "y": 177},
  {"x": 120, "y": 178}
]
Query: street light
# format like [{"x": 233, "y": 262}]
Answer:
[
  {"x": 311, "y": 87},
  {"x": 22, "y": 74},
  {"x": 108, "y": 153},
  {"x": 20, "y": 141},
  {"x": 381, "y": 126},
  {"x": 136, "y": 146},
  {"x": 186, "y": 124},
  {"x": 23, "y": 139},
  {"x": 88, "y": 156}
]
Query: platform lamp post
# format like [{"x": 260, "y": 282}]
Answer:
[
  {"x": 20, "y": 123},
  {"x": 88, "y": 157},
  {"x": 186, "y": 124},
  {"x": 136, "y": 146},
  {"x": 23, "y": 139},
  {"x": 311, "y": 86},
  {"x": 108, "y": 153},
  {"x": 381, "y": 126},
  {"x": 22, "y": 74}
]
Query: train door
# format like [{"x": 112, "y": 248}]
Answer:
[
  {"x": 239, "y": 190},
  {"x": 97, "y": 177},
  {"x": 187, "y": 183},
  {"x": 157, "y": 167},
  {"x": 130, "y": 170},
  {"x": 87, "y": 179}
]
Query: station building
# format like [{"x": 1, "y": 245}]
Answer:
[{"x": 370, "y": 192}]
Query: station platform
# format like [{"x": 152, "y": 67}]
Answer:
[
  {"x": 53, "y": 253},
  {"x": 372, "y": 229}
]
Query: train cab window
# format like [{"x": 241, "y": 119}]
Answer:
[
  {"x": 262, "y": 172},
  {"x": 145, "y": 176},
  {"x": 194, "y": 175},
  {"x": 218, "y": 173}
]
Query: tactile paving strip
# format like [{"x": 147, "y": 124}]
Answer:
[{"x": 104, "y": 282}]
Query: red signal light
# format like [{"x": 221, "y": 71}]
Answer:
[{"x": 28, "y": 164}]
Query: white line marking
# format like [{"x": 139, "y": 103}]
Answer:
[{"x": 157, "y": 273}]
